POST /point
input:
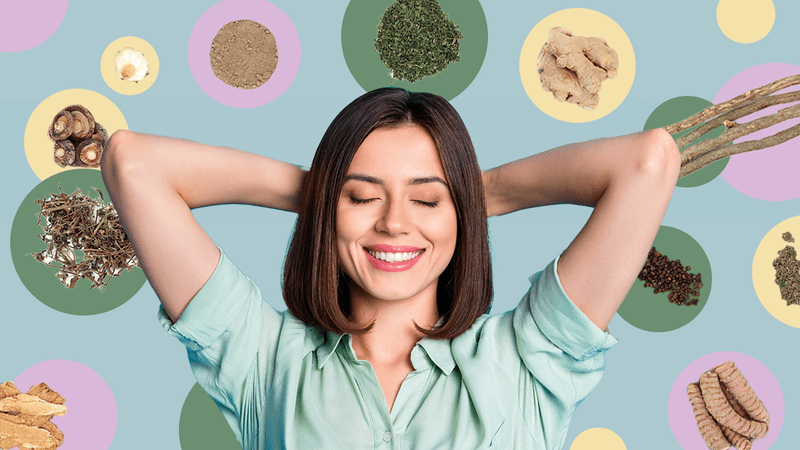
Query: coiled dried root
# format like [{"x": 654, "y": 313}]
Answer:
[{"x": 727, "y": 410}]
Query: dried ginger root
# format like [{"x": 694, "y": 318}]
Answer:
[{"x": 574, "y": 67}]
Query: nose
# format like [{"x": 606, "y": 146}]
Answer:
[{"x": 395, "y": 218}]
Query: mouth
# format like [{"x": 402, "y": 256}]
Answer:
[{"x": 393, "y": 259}]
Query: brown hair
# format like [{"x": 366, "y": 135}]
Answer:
[{"x": 312, "y": 278}]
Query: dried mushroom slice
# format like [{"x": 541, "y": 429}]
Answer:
[
  {"x": 100, "y": 134},
  {"x": 89, "y": 152},
  {"x": 64, "y": 153},
  {"x": 61, "y": 127},
  {"x": 84, "y": 122}
]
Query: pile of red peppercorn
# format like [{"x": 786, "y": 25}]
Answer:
[{"x": 664, "y": 275}]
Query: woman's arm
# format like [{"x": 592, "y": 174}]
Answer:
[
  {"x": 628, "y": 180},
  {"x": 155, "y": 181}
]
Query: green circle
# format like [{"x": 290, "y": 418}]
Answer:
[
  {"x": 202, "y": 425},
  {"x": 40, "y": 279},
  {"x": 675, "y": 110},
  {"x": 360, "y": 28},
  {"x": 653, "y": 312}
]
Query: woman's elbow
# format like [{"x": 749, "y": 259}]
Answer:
[
  {"x": 660, "y": 156},
  {"x": 119, "y": 156}
]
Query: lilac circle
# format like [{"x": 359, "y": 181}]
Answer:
[
  {"x": 26, "y": 24},
  {"x": 260, "y": 11},
  {"x": 91, "y": 419},
  {"x": 769, "y": 174},
  {"x": 766, "y": 387}
]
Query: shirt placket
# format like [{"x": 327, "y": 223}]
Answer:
[{"x": 388, "y": 428}]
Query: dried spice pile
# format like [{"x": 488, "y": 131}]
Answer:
[
  {"x": 574, "y": 67},
  {"x": 787, "y": 272},
  {"x": 727, "y": 410},
  {"x": 244, "y": 54},
  {"x": 416, "y": 39},
  {"x": 79, "y": 140},
  {"x": 77, "y": 222},
  {"x": 25, "y": 418},
  {"x": 663, "y": 275}
]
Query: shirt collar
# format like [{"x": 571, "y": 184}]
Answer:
[{"x": 438, "y": 350}]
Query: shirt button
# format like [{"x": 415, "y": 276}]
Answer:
[{"x": 387, "y": 436}]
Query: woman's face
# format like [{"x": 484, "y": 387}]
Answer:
[{"x": 396, "y": 221}]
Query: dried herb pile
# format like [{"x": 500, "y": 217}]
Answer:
[
  {"x": 416, "y": 39},
  {"x": 787, "y": 272},
  {"x": 77, "y": 222},
  {"x": 664, "y": 275}
]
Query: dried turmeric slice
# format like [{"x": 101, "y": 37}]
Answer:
[
  {"x": 709, "y": 429},
  {"x": 740, "y": 388},
  {"x": 718, "y": 406}
]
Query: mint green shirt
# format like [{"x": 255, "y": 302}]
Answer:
[{"x": 510, "y": 381}]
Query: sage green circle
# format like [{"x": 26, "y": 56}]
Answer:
[
  {"x": 653, "y": 312},
  {"x": 40, "y": 279},
  {"x": 360, "y": 28},
  {"x": 202, "y": 425},
  {"x": 675, "y": 110}
]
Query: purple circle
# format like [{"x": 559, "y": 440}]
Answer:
[
  {"x": 260, "y": 11},
  {"x": 766, "y": 387},
  {"x": 91, "y": 419},
  {"x": 26, "y": 24},
  {"x": 771, "y": 173}
]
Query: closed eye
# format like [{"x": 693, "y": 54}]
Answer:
[
  {"x": 360, "y": 201},
  {"x": 428, "y": 204}
]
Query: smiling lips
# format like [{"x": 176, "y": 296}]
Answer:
[{"x": 389, "y": 258}]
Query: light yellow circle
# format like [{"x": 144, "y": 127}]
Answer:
[
  {"x": 764, "y": 273},
  {"x": 597, "y": 439},
  {"x": 581, "y": 22},
  {"x": 745, "y": 21},
  {"x": 108, "y": 66},
  {"x": 39, "y": 147}
]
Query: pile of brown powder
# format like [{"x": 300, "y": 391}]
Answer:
[
  {"x": 787, "y": 272},
  {"x": 244, "y": 54}
]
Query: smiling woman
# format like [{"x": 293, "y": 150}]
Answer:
[
  {"x": 381, "y": 179},
  {"x": 388, "y": 276}
]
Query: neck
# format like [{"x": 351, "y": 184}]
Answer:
[{"x": 393, "y": 334}]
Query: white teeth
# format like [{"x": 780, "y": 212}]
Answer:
[{"x": 394, "y": 257}]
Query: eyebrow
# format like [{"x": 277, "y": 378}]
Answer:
[{"x": 411, "y": 182}]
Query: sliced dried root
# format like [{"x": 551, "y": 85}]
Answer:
[
  {"x": 25, "y": 418},
  {"x": 709, "y": 429}
]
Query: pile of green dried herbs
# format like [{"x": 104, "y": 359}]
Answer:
[
  {"x": 416, "y": 39},
  {"x": 79, "y": 223}
]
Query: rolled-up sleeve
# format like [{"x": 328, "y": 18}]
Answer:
[
  {"x": 563, "y": 351},
  {"x": 224, "y": 329}
]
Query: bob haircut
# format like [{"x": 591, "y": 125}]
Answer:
[{"x": 315, "y": 288}]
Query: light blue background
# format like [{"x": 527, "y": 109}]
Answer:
[{"x": 680, "y": 51}]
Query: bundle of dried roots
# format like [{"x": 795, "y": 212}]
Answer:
[{"x": 700, "y": 155}]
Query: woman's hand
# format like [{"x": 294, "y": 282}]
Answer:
[
  {"x": 155, "y": 181},
  {"x": 628, "y": 180}
]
